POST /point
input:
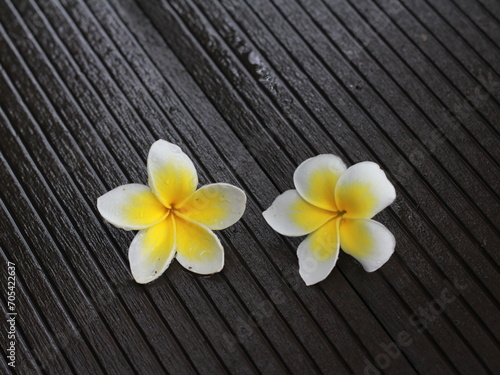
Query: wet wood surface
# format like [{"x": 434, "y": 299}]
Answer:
[{"x": 249, "y": 89}]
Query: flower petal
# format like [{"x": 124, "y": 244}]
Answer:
[
  {"x": 131, "y": 207},
  {"x": 315, "y": 180},
  {"x": 363, "y": 191},
  {"x": 319, "y": 252},
  {"x": 216, "y": 206},
  {"x": 198, "y": 248},
  {"x": 152, "y": 251},
  {"x": 171, "y": 174},
  {"x": 370, "y": 242},
  {"x": 291, "y": 215}
]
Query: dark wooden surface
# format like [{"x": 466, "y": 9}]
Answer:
[{"x": 249, "y": 89}]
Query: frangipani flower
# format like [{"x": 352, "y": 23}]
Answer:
[
  {"x": 172, "y": 217},
  {"x": 334, "y": 205}
]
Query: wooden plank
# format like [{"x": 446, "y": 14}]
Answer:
[
  {"x": 492, "y": 7},
  {"x": 281, "y": 68},
  {"x": 177, "y": 34},
  {"x": 121, "y": 286},
  {"x": 463, "y": 26},
  {"x": 68, "y": 332},
  {"x": 475, "y": 64},
  {"x": 249, "y": 89},
  {"x": 445, "y": 65},
  {"x": 481, "y": 18}
]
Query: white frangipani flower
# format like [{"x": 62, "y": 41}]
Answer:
[
  {"x": 334, "y": 205},
  {"x": 172, "y": 217}
]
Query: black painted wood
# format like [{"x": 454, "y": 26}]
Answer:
[{"x": 249, "y": 89}]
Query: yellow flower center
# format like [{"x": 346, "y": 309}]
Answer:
[
  {"x": 173, "y": 210},
  {"x": 339, "y": 214}
]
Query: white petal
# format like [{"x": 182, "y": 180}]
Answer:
[
  {"x": 216, "y": 206},
  {"x": 363, "y": 190},
  {"x": 370, "y": 242},
  {"x": 198, "y": 248},
  {"x": 171, "y": 174},
  {"x": 131, "y": 207},
  {"x": 291, "y": 215},
  {"x": 152, "y": 251},
  {"x": 315, "y": 180},
  {"x": 319, "y": 252}
]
